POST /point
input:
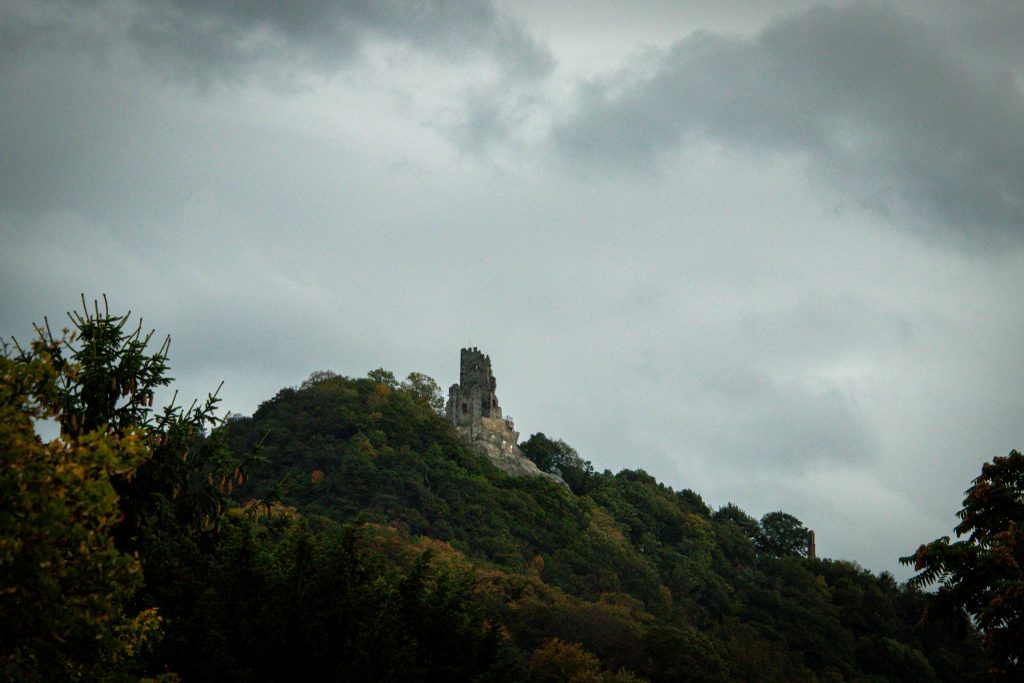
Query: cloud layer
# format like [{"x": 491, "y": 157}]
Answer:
[
  {"x": 201, "y": 40},
  {"x": 774, "y": 261},
  {"x": 883, "y": 106}
]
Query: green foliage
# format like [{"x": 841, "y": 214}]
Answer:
[
  {"x": 373, "y": 544},
  {"x": 289, "y": 602},
  {"x": 359, "y": 448},
  {"x": 107, "y": 377},
  {"x": 317, "y": 377},
  {"x": 425, "y": 389},
  {"x": 640, "y": 576},
  {"x": 382, "y": 376},
  {"x": 781, "y": 535},
  {"x": 795, "y": 606},
  {"x": 982, "y": 575},
  {"x": 557, "y": 661},
  {"x": 559, "y": 458},
  {"x": 115, "y": 468},
  {"x": 684, "y": 654},
  {"x": 691, "y": 500},
  {"x": 62, "y": 581},
  {"x": 746, "y": 524}
]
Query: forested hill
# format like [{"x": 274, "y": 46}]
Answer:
[{"x": 648, "y": 580}]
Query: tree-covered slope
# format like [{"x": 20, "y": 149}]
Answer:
[
  {"x": 370, "y": 544},
  {"x": 357, "y": 448},
  {"x": 642, "y": 576}
]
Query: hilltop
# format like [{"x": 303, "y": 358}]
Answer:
[
  {"x": 348, "y": 530},
  {"x": 647, "y": 578}
]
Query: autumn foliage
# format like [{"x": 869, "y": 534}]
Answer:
[
  {"x": 345, "y": 531},
  {"x": 982, "y": 576}
]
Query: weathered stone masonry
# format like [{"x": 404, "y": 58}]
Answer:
[
  {"x": 473, "y": 409},
  {"x": 472, "y": 400}
]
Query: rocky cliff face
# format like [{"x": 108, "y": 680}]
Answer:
[{"x": 496, "y": 440}]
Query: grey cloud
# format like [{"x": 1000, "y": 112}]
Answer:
[
  {"x": 743, "y": 418},
  {"x": 749, "y": 419},
  {"x": 779, "y": 387},
  {"x": 718, "y": 324},
  {"x": 827, "y": 329},
  {"x": 992, "y": 35},
  {"x": 792, "y": 426},
  {"x": 883, "y": 106},
  {"x": 202, "y": 40},
  {"x": 207, "y": 34},
  {"x": 289, "y": 46}
]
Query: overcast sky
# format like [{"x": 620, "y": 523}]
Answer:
[{"x": 772, "y": 253}]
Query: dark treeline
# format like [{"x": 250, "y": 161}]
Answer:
[
  {"x": 345, "y": 532},
  {"x": 646, "y": 579}
]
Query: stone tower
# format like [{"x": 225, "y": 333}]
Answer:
[
  {"x": 472, "y": 400},
  {"x": 473, "y": 409}
]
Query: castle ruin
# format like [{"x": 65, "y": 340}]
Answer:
[
  {"x": 472, "y": 404},
  {"x": 474, "y": 410}
]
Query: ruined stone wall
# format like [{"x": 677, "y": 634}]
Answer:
[
  {"x": 473, "y": 398},
  {"x": 477, "y": 383},
  {"x": 473, "y": 409}
]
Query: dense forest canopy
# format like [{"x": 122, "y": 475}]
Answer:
[{"x": 345, "y": 531}]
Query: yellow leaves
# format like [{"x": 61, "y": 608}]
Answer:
[
  {"x": 364, "y": 446},
  {"x": 603, "y": 525},
  {"x": 443, "y": 555},
  {"x": 139, "y": 634},
  {"x": 562, "y": 662},
  {"x": 255, "y": 509},
  {"x": 500, "y": 628},
  {"x": 61, "y": 505}
]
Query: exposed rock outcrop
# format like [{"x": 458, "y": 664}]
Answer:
[{"x": 473, "y": 409}]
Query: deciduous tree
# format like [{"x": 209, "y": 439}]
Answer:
[
  {"x": 560, "y": 458},
  {"x": 385, "y": 377},
  {"x": 62, "y": 580},
  {"x": 424, "y": 388},
  {"x": 782, "y": 535},
  {"x": 983, "y": 575},
  {"x": 107, "y": 375}
]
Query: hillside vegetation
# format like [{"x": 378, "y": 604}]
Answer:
[
  {"x": 346, "y": 532},
  {"x": 645, "y": 578}
]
